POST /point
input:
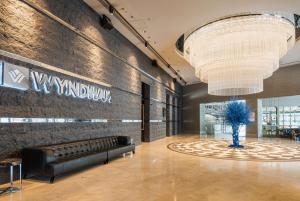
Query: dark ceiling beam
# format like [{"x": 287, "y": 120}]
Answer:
[{"x": 297, "y": 25}]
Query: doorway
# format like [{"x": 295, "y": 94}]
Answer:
[
  {"x": 171, "y": 115},
  {"x": 145, "y": 113},
  {"x": 174, "y": 116},
  {"x": 168, "y": 115}
]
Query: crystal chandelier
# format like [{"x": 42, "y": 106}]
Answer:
[{"x": 234, "y": 55}]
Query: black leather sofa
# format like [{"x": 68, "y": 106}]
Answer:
[{"x": 51, "y": 161}]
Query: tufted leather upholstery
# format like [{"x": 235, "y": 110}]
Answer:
[
  {"x": 104, "y": 143},
  {"x": 65, "y": 151},
  {"x": 54, "y": 160}
]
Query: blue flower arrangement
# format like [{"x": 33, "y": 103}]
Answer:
[{"x": 237, "y": 113}]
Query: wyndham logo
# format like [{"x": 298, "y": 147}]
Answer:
[
  {"x": 23, "y": 78},
  {"x": 16, "y": 75}
]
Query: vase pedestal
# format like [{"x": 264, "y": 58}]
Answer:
[{"x": 236, "y": 146}]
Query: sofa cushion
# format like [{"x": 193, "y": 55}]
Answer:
[
  {"x": 99, "y": 144},
  {"x": 65, "y": 151},
  {"x": 117, "y": 151},
  {"x": 112, "y": 142},
  {"x": 61, "y": 166},
  {"x": 124, "y": 140}
]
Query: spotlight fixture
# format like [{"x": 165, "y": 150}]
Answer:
[
  {"x": 111, "y": 10},
  {"x": 106, "y": 23},
  {"x": 154, "y": 62},
  {"x": 121, "y": 18},
  {"x": 180, "y": 44},
  {"x": 146, "y": 44}
]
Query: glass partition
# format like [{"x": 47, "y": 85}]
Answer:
[
  {"x": 269, "y": 123},
  {"x": 289, "y": 117},
  {"x": 212, "y": 121},
  {"x": 280, "y": 116}
]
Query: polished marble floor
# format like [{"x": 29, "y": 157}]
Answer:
[
  {"x": 156, "y": 173},
  {"x": 253, "y": 150}
]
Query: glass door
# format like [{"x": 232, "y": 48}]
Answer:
[{"x": 269, "y": 122}]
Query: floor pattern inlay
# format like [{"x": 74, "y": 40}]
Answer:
[{"x": 253, "y": 151}]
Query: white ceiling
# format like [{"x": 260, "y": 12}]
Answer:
[{"x": 163, "y": 21}]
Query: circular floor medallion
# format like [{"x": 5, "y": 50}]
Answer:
[{"x": 253, "y": 151}]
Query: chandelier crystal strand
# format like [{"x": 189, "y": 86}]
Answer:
[{"x": 235, "y": 55}]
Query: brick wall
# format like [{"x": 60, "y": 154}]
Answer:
[{"x": 26, "y": 32}]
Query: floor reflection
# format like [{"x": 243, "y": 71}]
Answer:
[{"x": 156, "y": 173}]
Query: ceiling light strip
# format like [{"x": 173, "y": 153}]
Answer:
[
  {"x": 5, "y": 120},
  {"x": 131, "y": 121},
  {"x": 25, "y": 120},
  {"x": 118, "y": 15},
  {"x": 156, "y": 121}
]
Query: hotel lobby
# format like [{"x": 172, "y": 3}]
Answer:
[{"x": 149, "y": 100}]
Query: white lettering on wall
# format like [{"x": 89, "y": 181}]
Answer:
[{"x": 47, "y": 83}]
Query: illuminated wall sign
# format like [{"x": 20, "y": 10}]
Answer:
[
  {"x": 22, "y": 78},
  {"x": 14, "y": 76}
]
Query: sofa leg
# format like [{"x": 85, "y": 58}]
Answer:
[
  {"x": 51, "y": 180},
  {"x": 133, "y": 151}
]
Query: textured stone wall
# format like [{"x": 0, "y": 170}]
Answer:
[
  {"x": 284, "y": 82},
  {"x": 26, "y": 32}
]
